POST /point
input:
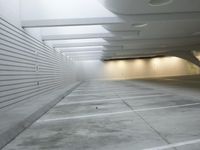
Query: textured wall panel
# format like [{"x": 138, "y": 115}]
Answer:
[{"x": 28, "y": 67}]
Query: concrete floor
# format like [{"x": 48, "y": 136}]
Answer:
[{"x": 120, "y": 115}]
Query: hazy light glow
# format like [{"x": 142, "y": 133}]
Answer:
[
  {"x": 156, "y": 61},
  {"x": 88, "y": 59},
  {"x": 121, "y": 64},
  {"x": 58, "y": 50},
  {"x": 197, "y": 54}
]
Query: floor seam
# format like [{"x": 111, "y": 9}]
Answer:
[
  {"x": 147, "y": 123},
  {"x": 157, "y": 132}
]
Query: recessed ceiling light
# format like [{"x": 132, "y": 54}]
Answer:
[
  {"x": 139, "y": 25},
  {"x": 159, "y": 2}
]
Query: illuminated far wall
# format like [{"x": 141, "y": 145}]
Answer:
[
  {"x": 137, "y": 68},
  {"x": 197, "y": 54}
]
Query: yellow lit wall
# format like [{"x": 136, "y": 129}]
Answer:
[
  {"x": 197, "y": 54},
  {"x": 139, "y": 68}
]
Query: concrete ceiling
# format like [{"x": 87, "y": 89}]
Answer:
[
  {"x": 133, "y": 7},
  {"x": 133, "y": 28}
]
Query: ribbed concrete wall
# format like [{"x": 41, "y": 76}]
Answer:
[{"x": 28, "y": 67}]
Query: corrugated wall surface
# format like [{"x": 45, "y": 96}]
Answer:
[{"x": 28, "y": 67}]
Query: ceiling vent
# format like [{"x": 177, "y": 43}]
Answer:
[
  {"x": 139, "y": 25},
  {"x": 159, "y": 2}
]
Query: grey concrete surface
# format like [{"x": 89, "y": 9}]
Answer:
[
  {"x": 120, "y": 115},
  {"x": 15, "y": 118}
]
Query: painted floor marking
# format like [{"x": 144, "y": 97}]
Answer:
[
  {"x": 174, "y": 145},
  {"x": 97, "y": 90},
  {"x": 86, "y": 116},
  {"x": 110, "y": 99},
  {"x": 116, "y": 113},
  {"x": 143, "y": 96},
  {"x": 90, "y": 101},
  {"x": 165, "y": 107},
  {"x": 100, "y": 93}
]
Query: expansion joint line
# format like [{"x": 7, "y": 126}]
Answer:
[{"x": 147, "y": 123}]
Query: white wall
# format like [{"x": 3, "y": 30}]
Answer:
[
  {"x": 29, "y": 67},
  {"x": 138, "y": 68},
  {"x": 35, "y": 32},
  {"x": 62, "y": 9},
  {"x": 197, "y": 54},
  {"x": 10, "y": 11}
]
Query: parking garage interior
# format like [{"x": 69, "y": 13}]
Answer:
[{"x": 99, "y": 74}]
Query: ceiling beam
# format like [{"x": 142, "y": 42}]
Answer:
[
  {"x": 87, "y": 59},
  {"x": 80, "y": 50},
  {"x": 90, "y": 48},
  {"x": 70, "y": 22},
  {"x": 80, "y": 44},
  {"x": 133, "y": 56},
  {"x": 94, "y": 56},
  {"x": 160, "y": 17},
  {"x": 156, "y": 49},
  {"x": 160, "y": 40},
  {"x": 187, "y": 55},
  {"x": 82, "y": 53},
  {"x": 111, "y": 20},
  {"x": 76, "y": 36},
  {"x": 133, "y": 33},
  {"x": 143, "y": 52},
  {"x": 158, "y": 43}
]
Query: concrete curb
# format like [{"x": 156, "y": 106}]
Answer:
[{"x": 16, "y": 129}]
